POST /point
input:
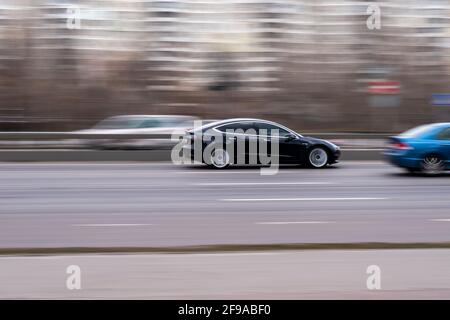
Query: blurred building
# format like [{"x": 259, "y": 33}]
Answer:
[{"x": 308, "y": 63}]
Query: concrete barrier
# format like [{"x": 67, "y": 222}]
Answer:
[
  {"x": 16, "y": 136},
  {"x": 131, "y": 155}
]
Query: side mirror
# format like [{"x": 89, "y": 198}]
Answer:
[{"x": 290, "y": 137}]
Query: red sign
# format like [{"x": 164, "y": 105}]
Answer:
[{"x": 384, "y": 87}]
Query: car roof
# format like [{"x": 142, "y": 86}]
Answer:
[
  {"x": 441, "y": 124},
  {"x": 219, "y": 122},
  {"x": 436, "y": 125},
  {"x": 425, "y": 130},
  {"x": 149, "y": 116},
  {"x": 222, "y": 122}
]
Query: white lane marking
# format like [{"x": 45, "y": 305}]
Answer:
[
  {"x": 302, "y": 199},
  {"x": 363, "y": 149},
  {"x": 256, "y": 183},
  {"x": 112, "y": 225},
  {"x": 440, "y": 220},
  {"x": 364, "y": 162},
  {"x": 250, "y": 169},
  {"x": 294, "y": 222},
  {"x": 211, "y": 172}
]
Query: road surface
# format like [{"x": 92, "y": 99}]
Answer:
[
  {"x": 154, "y": 205},
  {"x": 404, "y": 274}
]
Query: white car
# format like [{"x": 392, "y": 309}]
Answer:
[{"x": 138, "y": 124}]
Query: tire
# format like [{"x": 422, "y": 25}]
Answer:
[
  {"x": 317, "y": 158},
  {"x": 432, "y": 164},
  {"x": 219, "y": 158}
]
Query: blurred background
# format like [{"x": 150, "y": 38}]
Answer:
[
  {"x": 79, "y": 78},
  {"x": 310, "y": 64}
]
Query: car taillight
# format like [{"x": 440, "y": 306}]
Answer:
[{"x": 400, "y": 146}]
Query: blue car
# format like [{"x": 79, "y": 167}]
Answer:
[{"x": 422, "y": 149}]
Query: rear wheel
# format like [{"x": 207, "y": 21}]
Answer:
[
  {"x": 432, "y": 164},
  {"x": 317, "y": 157},
  {"x": 219, "y": 159}
]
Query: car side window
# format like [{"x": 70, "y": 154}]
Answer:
[
  {"x": 268, "y": 129},
  {"x": 237, "y": 126},
  {"x": 150, "y": 124},
  {"x": 444, "y": 134}
]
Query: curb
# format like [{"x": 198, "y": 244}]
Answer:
[{"x": 227, "y": 248}]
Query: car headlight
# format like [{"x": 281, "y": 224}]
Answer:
[{"x": 335, "y": 146}]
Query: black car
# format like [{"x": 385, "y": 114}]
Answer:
[{"x": 254, "y": 141}]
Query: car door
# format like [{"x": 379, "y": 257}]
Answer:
[
  {"x": 239, "y": 136},
  {"x": 443, "y": 138},
  {"x": 288, "y": 145}
]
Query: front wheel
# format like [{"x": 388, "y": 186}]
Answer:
[{"x": 317, "y": 158}]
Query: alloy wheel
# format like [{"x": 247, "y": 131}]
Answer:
[
  {"x": 432, "y": 164},
  {"x": 220, "y": 158},
  {"x": 318, "y": 158}
]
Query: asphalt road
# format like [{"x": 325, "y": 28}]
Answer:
[
  {"x": 129, "y": 204},
  {"x": 404, "y": 274}
]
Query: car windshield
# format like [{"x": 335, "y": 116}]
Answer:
[
  {"x": 416, "y": 132},
  {"x": 119, "y": 123}
]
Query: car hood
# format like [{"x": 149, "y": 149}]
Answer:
[{"x": 321, "y": 141}]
